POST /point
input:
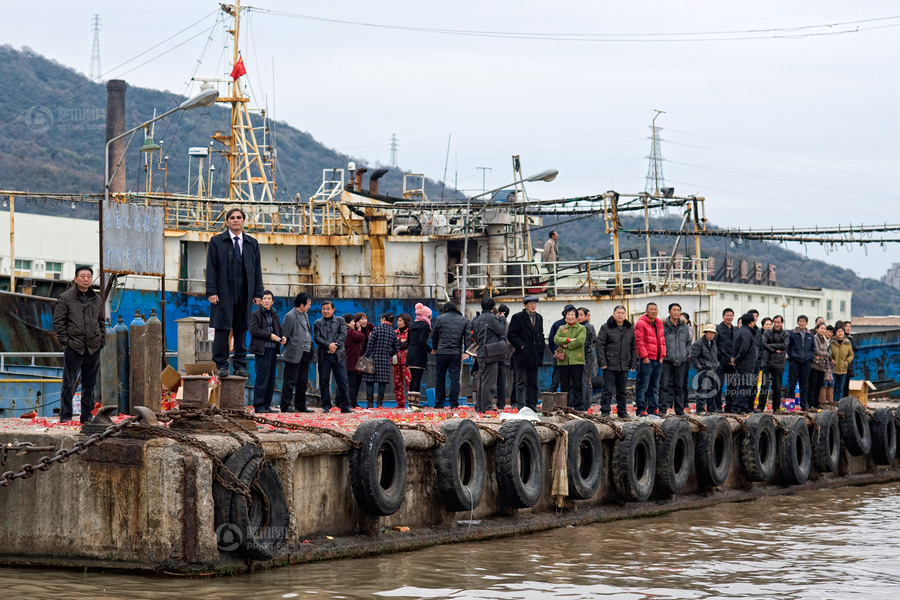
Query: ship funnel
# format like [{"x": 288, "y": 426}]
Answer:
[
  {"x": 373, "y": 180},
  {"x": 357, "y": 179}
]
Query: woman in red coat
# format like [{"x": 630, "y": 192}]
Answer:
[{"x": 402, "y": 375}]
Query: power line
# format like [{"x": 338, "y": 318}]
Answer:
[{"x": 795, "y": 32}]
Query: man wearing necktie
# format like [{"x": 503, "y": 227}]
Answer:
[{"x": 233, "y": 279}]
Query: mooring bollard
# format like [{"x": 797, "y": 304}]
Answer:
[{"x": 231, "y": 392}]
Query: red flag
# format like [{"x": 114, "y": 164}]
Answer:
[{"x": 238, "y": 69}]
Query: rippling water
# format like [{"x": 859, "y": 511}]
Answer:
[{"x": 841, "y": 543}]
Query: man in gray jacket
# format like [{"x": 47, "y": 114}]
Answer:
[
  {"x": 296, "y": 354},
  {"x": 489, "y": 328},
  {"x": 330, "y": 333},
  {"x": 678, "y": 346},
  {"x": 79, "y": 322},
  {"x": 449, "y": 339}
]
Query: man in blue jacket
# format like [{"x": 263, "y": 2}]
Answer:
[{"x": 801, "y": 350}]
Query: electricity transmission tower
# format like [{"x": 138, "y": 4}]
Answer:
[
  {"x": 95, "y": 71},
  {"x": 655, "y": 179},
  {"x": 393, "y": 150}
]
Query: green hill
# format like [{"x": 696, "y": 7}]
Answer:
[
  {"x": 580, "y": 238},
  {"x": 52, "y": 131}
]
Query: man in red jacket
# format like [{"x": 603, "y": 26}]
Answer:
[{"x": 650, "y": 339}]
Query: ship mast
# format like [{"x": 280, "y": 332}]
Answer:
[{"x": 248, "y": 168}]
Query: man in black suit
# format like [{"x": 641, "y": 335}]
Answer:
[
  {"x": 526, "y": 333},
  {"x": 233, "y": 278}
]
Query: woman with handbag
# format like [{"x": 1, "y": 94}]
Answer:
[
  {"x": 820, "y": 364},
  {"x": 569, "y": 356},
  {"x": 398, "y": 361},
  {"x": 417, "y": 353},
  {"x": 354, "y": 346},
  {"x": 381, "y": 347}
]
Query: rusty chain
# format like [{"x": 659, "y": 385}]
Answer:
[
  {"x": 305, "y": 428},
  {"x": 550, "y": 426},
  {"x": 617, "y": 427},
  {"x": 692, "y": 419},
  {"x": 437, "y": 436},
  {"x": 21, "y": 448},
  {"x": 657, "y": 429},
  {"x": 493, "y": 433},
  {"x": 742, "y": 421},
  {"x": 235, "y": 485},
  {"x": 62, "y": 455}
]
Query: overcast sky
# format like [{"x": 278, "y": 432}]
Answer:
[{"x": 776, "y": 131}]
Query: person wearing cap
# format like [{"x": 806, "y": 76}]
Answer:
[
  {"x": 704, "y": 356},
  {"x": 554, "y": 377},
  {"x": 526, "y": 334}
]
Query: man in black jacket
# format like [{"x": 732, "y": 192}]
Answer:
[
  {"x": 724, "y": 345},
  {"x": 774, "y": 344},
  {"x": 330, "y": 334},
  {"x": 449, "y": 339},
  {"x": 79, "y": 322},
  {"x": 616, "y": 356},
  {"x": 744, "y": 357},
  {"x": 704, "y": 357},
  {"x": 489, "y": 328},
  {"x": 233, "y": 279},
  {"x": 265, "y": 341},
  {"x": 526, "y": 333}
]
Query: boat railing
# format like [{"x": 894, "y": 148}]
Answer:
[
  {"x": 586, "y": 277},
  {"x": 29, "y": 362},
  {"x": 287, "y": 285}
]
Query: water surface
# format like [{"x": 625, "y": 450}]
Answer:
[{"x": 841, "y": 543}]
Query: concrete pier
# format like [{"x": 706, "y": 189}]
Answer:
[{"x": 147, "y": 503}]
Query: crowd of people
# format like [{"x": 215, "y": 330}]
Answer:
[{"x": 739, "y": 367}]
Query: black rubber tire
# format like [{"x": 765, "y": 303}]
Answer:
[
  {"x": 258, "y": 533},
  {"x": 674, "y": 457},
  {"x": 634, "y": 462},
  {"x": 884, "y": 436},
  {"x": 795, "y": 452},
  {"x": 826, "y": 442},
  {"x": 235, "y": 462},
  {"x": 715, "y": 449},
  {"x": 759, "y": 448},
  {"x": 854, "y": 425},
  {"x": 264, "y": 527},
  {"x": 584, "y": 461},
  {"x": 459, "y": 465},
  {"x": 520, "y": 464},
  {"x": 897, "y": 421},
  {"x": 378, "y": 470}
]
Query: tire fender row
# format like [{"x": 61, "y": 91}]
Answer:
[{"x": 647, "y": 459}]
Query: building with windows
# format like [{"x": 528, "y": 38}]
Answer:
[
  {"x": 46, "y": 247},
  {"x": 833, "y": 305},
  {"x": 892, "y": 277}
]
